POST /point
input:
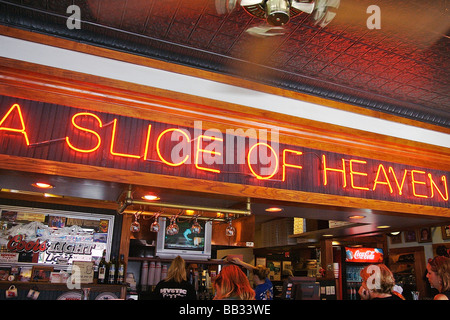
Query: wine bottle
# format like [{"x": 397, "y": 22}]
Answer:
[
  {"x": 102, "y": 266},
  {"x": 112, "y": 270},
  {"x": 121, "y": 270}
]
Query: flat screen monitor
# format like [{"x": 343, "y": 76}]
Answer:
[
  {"x": 301, "y": 288},
  {"x": 186, "y": 244}
]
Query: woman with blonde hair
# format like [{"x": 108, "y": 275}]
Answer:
[
  {"x": 438, "y": 274},
  {"x": 232, "y": 284},
  {"x": 378, "y": 283},
  {"x": 175, "y": 286}
]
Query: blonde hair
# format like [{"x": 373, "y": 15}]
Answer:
[
  {"x": 261, "y": 272},
  {"x": 177, "y": 270},
  {"x": 441, "y": 265},
  {"x": 384, "y": 279}
]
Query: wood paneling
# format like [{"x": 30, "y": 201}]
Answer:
[{"x": 212, "y": 187}]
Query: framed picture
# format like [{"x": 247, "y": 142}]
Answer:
[
  {"x": 261, "y": 261},
  {"x": 25, "y": 274},
  {"x": 41, "y": 273},
  {"x": 4, "y": 273},
  {"x": 274, "y": 270},
  {"x": 396, "y": 238},
  {"x": 410, "y": 236},
  {"x": 445, "y": 232},
  {"x": 424, "y": 234}
]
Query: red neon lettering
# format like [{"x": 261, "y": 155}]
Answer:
[
  {"x": 147, "y": 141},
  {"x": 298, "y": 153},
  {"x": 386, "y": 182},
  {"x": 113, "y": 139},
  {"x": 22, "y": 123},
  {"x": 325, "y": 170},
  {"x": 251, "y": 167},
  {"x": 352, "y": 173},
  {"x": 99, "y": 140},
  {"x": 414, "y": 182},
  {"x": 433, "y": 186},
  {"x": 399, "y": 186},
  {"x": 199, "y": 149},
  {"x": 158, "y": 150}
]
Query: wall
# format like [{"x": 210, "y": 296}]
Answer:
[{"x": 436, "y": 237}]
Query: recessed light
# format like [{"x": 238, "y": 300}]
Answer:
[
  {"x": 42, "y": 185},
  {"x": 356, "y": 216},
  {"x": 383, "y": 227},
  {"x": 150, "y": 197},
  {"x": 274, "y": 209},
  {"x": 327, "y": 235}
]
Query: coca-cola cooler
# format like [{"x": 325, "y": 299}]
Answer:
[{"x": 354, "y": 260}]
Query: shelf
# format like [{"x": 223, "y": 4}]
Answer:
[
  {"x": 213, "y": 261},
  {"x": 60, "y": 286}
]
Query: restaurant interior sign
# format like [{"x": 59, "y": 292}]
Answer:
[
  {"x": 50, "y": 239},
  {"x": 242, "y": 156}
]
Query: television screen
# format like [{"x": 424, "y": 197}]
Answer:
[
  {"x": 185, "y": 243},
  {"x": 185, "y": 239}
]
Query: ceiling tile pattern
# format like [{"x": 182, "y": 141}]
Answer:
[{"x": 402, "y": 68}]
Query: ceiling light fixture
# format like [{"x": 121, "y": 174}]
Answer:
[
  {"x": 356, "y": 216},
  {"x": 274, "y": 209},
  {"x": 42, "y": 185},
  {"x": 150, "y": 197},
  {"x": 383, "y": 227}
]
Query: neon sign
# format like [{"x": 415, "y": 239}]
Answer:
[{"x": 102, "y": 139}]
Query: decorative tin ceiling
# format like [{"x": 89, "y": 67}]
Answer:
[{"x": 403, "y": 68}]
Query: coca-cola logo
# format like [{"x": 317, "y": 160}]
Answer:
[
  {"x": 18, "y": 244},
  {"x": 364, "y": 255}
]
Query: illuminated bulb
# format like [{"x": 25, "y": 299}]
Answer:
[
  {"x": 383, "y": 227},
  {"x": 42, "y": 185},
  {"x": 150, "y": 197},
  {"x": 356, "y": 217},
  {"x": 274, "y": 209}
]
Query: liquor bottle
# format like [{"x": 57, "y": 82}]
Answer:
[
  {"x": 112, "y": 270},
  {"x": 102, "y": 266},
  {"x": 121, "y": 270}
]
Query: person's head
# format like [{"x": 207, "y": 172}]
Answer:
[
  {"x": 177, "y": 270},
  {"x": 438, "y": 273},
  {"x": 232, "y": 282},
  {"x": 442, "y": 251},
  {"x": 377, "y": 278},
  {"x": 260, "y": 274},
  {"x": 286, "y": 273}
]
